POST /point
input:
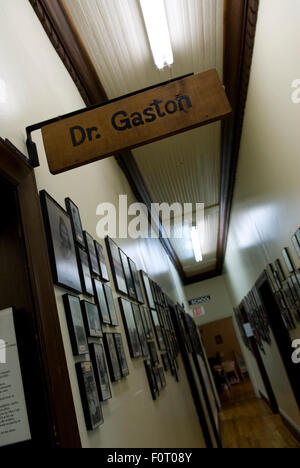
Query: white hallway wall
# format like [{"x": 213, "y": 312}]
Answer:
[
  {"x": 38, "y": 87},
  {"x": 266, "y": 202}
]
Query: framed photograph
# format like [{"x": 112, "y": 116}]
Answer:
[
  {"x": 121, "y": 354},
  {"x": 140, "y": 329},
  {"x": 157, "y": 379},
  {"x": 100, "y": 370},
  {"x": 151, "y": 379},
  {"x": 298, "y": 236},
  {"x": 91, "y": 250},
  {"x": 280, "y": 270},
  {"x": 146, "y": 322},
  {"x": 111, "y": 306},
  {"x": 153, "y": 353},
  {"x": 288, "y": 260},
  {"x": 89, "y": 395},
  {"x": 73, "y": 211},
  {"x": 136, "y": 280},
  {"x": 158, "y": 330},
  {"x": 162, "y": 377},
  {"x": 128, "y": 276},
  {"x": 85, "y": 272},
  {"x": 91, "y": 319},
  {"x": 61, "y": 244},
  {"x": 296, "y": 244},
  {"x": 294, "y": 284},
  {"x": 291, "y": 299},
  {"x": 116, "y": 266},
  {"x": 75, "y": 324},
  {"x": 112, "y": 357},
  {"x": 102, "y": 262},
  {"x": 101, "y": 301},
  {"x": 276, "y": 277},
  {"x": 130, "y": 328},
  {"x": 166, "y": 361},
  {"x": 148, "y": 290}
]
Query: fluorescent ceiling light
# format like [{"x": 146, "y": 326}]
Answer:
[
  {"x": 158, "y": 32},
  {"x": 196, "y": 240},
  {"x": 2, "y": 91}
]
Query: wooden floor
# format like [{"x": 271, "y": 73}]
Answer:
[{"x": 247, "y": 422}]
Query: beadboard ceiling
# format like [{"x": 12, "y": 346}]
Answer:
[{"x": 184, "y": 168}]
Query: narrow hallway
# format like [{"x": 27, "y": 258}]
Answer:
[{"x": 247, "y": 422}]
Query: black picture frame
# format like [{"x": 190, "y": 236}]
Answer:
[
  {"x": 128, "y": 276},
  {"x": 130, "y": 328},
  {"x": 76, "y": 325},
  {"x": 162, "y": 378},
  {"x": 116, "y": 266},
  {"x": 101, "y": 301},
  {"x": 85, "y": 272},
  {"x": 157, "y": 379},
  {"x": 158, "y": 330},
  {"x": 280, "y": 270},
  {"x": 101, "y": 261},
  {"x": 148, "y": 290},
  {"x": 166, "y": 361},
  {"x": 276, "y": 277},
  {"x": 298, "y": 235},
  {"x": 288, "y": 260},
  {"x": 140, "y": 329},
  {"x": 136, "y": 280},
  {"x": 97, "y": 355},
  {"x": 146, "y": 322},
  {"x": 153, "y": 353},
  {"x": 89, "y": 395},
  {"x": 112, "y": 357},
  {"x": 114, "y": 321},
  {"x": 91, "y": 319},
  {"x": 121, "y": 354},
  {"x": 296, "y": 244},
  {"x": 91, "y": 250},
  {"x": 151, "y": 379},
  {"x": 62, "y": 252},
  {"x": 76, "y": 224}
]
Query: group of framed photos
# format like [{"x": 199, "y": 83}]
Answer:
[
  {"x": 124, "y": 271},
  {"x": 286, "y": 287},
  {"x": 84, "y": 324}
]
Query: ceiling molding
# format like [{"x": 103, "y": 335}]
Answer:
[{"x": 240, "y": 28}]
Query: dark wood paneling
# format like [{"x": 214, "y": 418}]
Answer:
[
  {"x": 38, "y": 301},
  {"x": 240, "y": 28}
]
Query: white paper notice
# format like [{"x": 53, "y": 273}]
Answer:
[{"x": 14, "y": 424}]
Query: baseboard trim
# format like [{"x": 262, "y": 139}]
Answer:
[
  {"x": 266, "y": 400},
  {"x": 293, "y": 430}
]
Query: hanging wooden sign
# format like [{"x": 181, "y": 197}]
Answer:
[{"x": 135, "y": 121}]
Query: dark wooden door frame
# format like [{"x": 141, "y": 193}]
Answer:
[
  {"x": 239, "y": 37},
  {"x": 260, "y": 364},
  {"x": 15, "y": 169},
  {"x": 280, "y": 332}
]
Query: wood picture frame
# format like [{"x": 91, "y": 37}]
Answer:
[
  {"x": 76, "y": 325},
  {"x": 61, "y": 246}
]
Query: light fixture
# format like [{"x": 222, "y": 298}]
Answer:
[
  {"x": 196, "y": 240},
  {"x": 2, "y": 91},
  {"x": 158, "y": 32}
]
